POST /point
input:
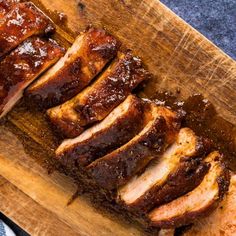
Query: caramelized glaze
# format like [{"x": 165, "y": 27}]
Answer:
[
  {"x": 83, "y": 61},
  {"x": 6, "y": 5},
  {"x": 121, "y": 125},
  {"x": 22, "y": 66},
  {"x": 96, "y": 101},
  {"x": 21, "y": 22},
  {"x": 119, "y": 166}
]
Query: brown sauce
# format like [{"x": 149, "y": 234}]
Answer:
[{"x": 202, "y": 117}]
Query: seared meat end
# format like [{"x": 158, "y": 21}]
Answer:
[
  {"x": 96, "y": 101},
  {"x": 22, "y": 66},
  {"x": 21, "y": 22},
  {"x": 83, "y": 61},
  {"x": 197, "y": 203},
  {"x": 122, "y": 124}
]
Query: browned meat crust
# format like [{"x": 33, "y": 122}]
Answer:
[
  {"x": 117, "y": 167},
  {"x": 22, "y": 66},
  {"x": 21, "y": 22},
  {"x": 176, "y": 172},
  {"x": 98, "y": 100},
  {"x": 122, "y": 124},
  {"x": 83, "y": 61},
  {"x": 199, "y": 202}
]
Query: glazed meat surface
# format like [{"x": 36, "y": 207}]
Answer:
[
  {"x": 122, "y": 124},
  {"x": 83, "y": 61},
  {"x": 96, "y": 101},
  {"x": 117, "y": 167},
  {"x": 177, "y": 171},
  {"x": 5, "y": 6},
  {"x": 197, "y": 203},
  {"x": 21, "y": 22},
  {"x": 22, "y": 66}
]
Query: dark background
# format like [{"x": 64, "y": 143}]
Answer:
[{"x": 214, "y": 19}]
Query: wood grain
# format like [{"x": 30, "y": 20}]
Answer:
[
  {"x": 22, "y": 209},
  {"x": 53, "y": 191},
  {"x": 179, "y": 58}
]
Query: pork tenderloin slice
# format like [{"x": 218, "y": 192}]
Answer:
[
  {"x": 122, "y": 124},
  {"x": 83, "y": 61},
  {"x": 95, "y": 102},
  {"x": 197, "y": 203},
  {"x": 117, "y": 167},
  {"x": 23, "y": 65},
  {"x": 177, "y": 171}
]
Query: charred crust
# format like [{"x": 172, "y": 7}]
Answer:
[
  {"x": 86, "y": 112},
  {"x": 204, "y": 146},
  {"x": 151, "y": 139},
  {"x": 223, "y": 181}
]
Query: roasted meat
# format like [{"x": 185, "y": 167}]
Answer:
[
  {"x": 96, "y": 101},
  {"x": 222, "y": 221},
  {"x": 21, "y": 22},
  {"x": 22, "y": 66},
  {"x": 83, "y": 61},
  {"x": 197, "y": 203},
  {"x": 117, "y": 167},
  {"x": 5, "y": 6},
  {"x": 177, "y": 171},
  {"x": 122, "y": 124}
]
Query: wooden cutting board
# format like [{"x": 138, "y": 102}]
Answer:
[{"x": 177, "y": 55}]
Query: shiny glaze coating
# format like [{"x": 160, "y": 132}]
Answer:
[
  {"x": 23, "y": 65},
  {"x": 6, "y": 5},
  {"x": 84, "y": 60},
  {"x": 117, "y": 167},
  {"x": 105, "y": 136},
  {"x": 96, "y": 101},
  {"x": 21, "y": 22}
]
